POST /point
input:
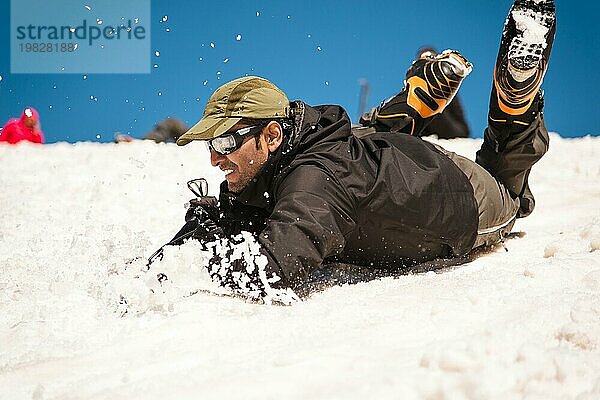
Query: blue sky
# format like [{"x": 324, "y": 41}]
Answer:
[{"x": 315, "y": 51}]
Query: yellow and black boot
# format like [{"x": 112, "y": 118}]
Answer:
[
  {"x": 521, "y": 65},
  {"x": 431, "y": 83},
  {"x": 516, "y": 137}
]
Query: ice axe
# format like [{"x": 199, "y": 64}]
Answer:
[{"x": 197, "y": 211}]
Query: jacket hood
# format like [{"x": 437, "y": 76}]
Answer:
[
  {"x": 30, "y": 112},
  {"x": 315, "y": 126}
]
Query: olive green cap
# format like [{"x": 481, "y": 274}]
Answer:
[{"x": 248, "y": 97}]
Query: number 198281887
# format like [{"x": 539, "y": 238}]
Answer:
[{"x": 47, "y": 47}]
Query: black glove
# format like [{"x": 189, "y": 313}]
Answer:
[
  {"x": 199, "y": 219},
  {"x": 202, "y": 208},
  {"x": 204, "y": 212},
  {"x": 199, "y": 225},
  {"x": 207, "y": 231}
]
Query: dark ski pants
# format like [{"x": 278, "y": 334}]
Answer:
[
  {"x": 497, "y": 209},
  {"x": 500, "y": 178}
]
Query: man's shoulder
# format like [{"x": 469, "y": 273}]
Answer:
[
  {"x": 313, "y": 113},
  {"x": 334, "y": 111},
  {"x": 309, "y": 178}
]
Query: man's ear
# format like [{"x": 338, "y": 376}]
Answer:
[{"x": 274, "y": 136}]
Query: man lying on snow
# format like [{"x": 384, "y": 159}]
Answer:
[{"x": 301, "y": 189}]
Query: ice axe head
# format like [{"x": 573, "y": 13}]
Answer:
[{"x": 198, "y": 186}]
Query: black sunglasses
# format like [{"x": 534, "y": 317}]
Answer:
[{"x": 229, "y": 142}]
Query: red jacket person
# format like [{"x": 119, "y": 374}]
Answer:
[{"x": 25, "y": 128}]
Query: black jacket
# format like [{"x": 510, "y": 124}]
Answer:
[{"x": 381, "y": 201}]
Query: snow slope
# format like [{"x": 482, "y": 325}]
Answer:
[{"x": 78, "y": 220}]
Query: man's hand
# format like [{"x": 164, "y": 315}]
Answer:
[
  {"x": 199, "y": 221},
  {"x": 202, "y": 208},
  {"x": 205, "y": 211},
  {"x": 207, "y": 231}
]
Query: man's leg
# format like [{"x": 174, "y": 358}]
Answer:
[
  {"x": 430, "y": 85},
  {"x": 497, "y": 209},
  {"x": 516, "y": 137}
]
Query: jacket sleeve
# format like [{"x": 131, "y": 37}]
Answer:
[{"x": 312, "y": 216}]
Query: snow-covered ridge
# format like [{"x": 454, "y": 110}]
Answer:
[{"x": 80, "y": 317}]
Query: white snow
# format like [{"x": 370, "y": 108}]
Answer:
[
  {"x": 80, "y": 319},
  {"x": 532, "y": 25}
]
